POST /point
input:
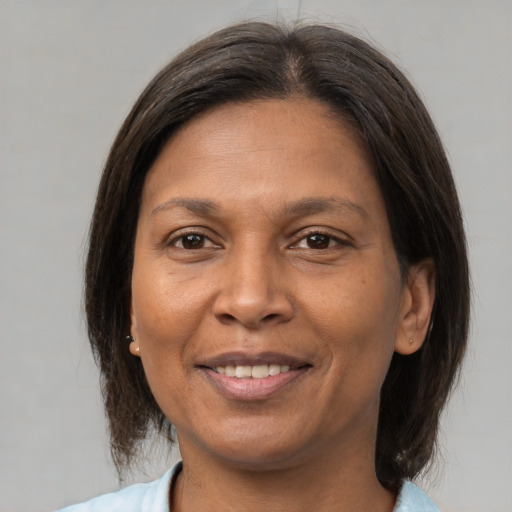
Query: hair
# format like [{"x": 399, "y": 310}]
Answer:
[{"x": 258, "y": 61}]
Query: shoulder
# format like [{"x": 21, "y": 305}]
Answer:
[
  {"x": 413, "y": 499},
  {"x": 147, "y": 497}
]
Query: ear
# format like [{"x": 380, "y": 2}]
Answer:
[
  {"x": 416, "y": 307},
  {"x": 134, "y": 344}
]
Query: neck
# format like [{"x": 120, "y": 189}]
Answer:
[{"x": 336, "y": 481}]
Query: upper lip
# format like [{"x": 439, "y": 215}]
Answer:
[{"x": 247, "y": 359}]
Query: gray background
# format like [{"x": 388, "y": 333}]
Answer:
[{"x": 70, "y": 72}]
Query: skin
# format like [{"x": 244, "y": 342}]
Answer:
[{"x": 293, "y": 254}]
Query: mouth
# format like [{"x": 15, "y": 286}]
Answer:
[
  {"x": 258, "y": 371},
  {"x": 257, "y": 377}
]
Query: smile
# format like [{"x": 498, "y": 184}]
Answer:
[
  {"x": 259, "y": 371},
  {"x": 256, "y": 377}
]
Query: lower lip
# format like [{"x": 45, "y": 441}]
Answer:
[{"x": 253, "y": 389}]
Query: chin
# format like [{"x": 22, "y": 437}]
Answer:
[
  {"x": 260, "y": 447},
  {"x": 263, "y": 458}
]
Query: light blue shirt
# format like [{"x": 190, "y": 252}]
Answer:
[{"x": 154, "y": 497}]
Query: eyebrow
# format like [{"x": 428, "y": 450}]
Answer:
[
  {"x": 302, "y": 207},
  {"x": 312, "y": 205},
  {"x": 198, "y": 206}
]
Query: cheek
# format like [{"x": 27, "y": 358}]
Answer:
[
  {"x": 163, "y": 302},
  {"x": 165, "y": 315},
  {"x": 166, "y": 320},
  {"x": 357, "y": 315}
]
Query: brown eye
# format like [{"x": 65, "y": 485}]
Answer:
[
  {"x": 318, "y": 241},
  {"x": 192, "y": 241}
]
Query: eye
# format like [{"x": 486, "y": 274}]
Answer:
[
  {"x": 191, "y": 241},
  {"x": 319, "y": 241}
]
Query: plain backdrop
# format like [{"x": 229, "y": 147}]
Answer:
[{"x": 70, "y": 71}]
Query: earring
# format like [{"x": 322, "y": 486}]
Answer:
[
  {"x": 134, "y": 348},
  {"x": 411, "y": 341}
]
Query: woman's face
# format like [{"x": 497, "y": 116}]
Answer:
[{"x": 267, "y": 300}]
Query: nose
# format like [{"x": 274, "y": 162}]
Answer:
[{"x": 253, "y": 291}]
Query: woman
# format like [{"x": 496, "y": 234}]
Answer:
[{"x": 278, "y": 235}]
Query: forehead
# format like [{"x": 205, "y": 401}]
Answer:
[
  {"x": 296, "y": 143},
  {"x": 296, "y": 122}
]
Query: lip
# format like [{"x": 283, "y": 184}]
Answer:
[
  {"x": 253, "y": 389},
  {"x": 250, "y": 389},
  {"x": 253, "y": 359}
]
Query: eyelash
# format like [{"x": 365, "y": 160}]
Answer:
[
  {"x": 329, "y": 237},
  {"x": 182, "y": 236}
]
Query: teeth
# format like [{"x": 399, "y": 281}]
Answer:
[
  {"x": 259, "y": 371},
  {"x": 274, "y": 369},
  {"x": 243, "y": 372}
]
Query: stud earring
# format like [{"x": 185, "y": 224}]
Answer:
[
  {"x": 134, "y": 348},
  {"x": 411, "y": 341}
]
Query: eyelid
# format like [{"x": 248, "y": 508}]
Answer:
[
  {"x": 170, "y": 241},
  {"x": 341, "y": 239}
]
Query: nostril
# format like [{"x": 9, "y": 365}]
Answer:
[
  {"x": 254, "y": 310},
  {"x": 226, "y": 318}
]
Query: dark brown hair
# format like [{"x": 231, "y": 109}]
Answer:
[{"x": 262, "y": 61}]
